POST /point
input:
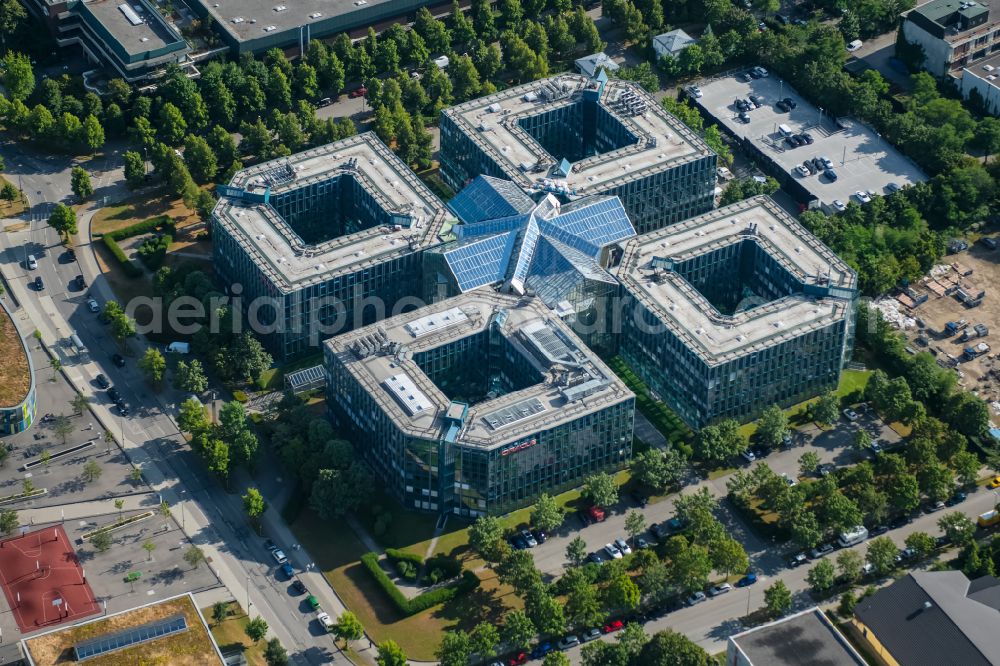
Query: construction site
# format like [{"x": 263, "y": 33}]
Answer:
[{"x": 951, "y": 313}]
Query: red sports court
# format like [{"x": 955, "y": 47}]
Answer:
[{"x": 43, "y": 581}]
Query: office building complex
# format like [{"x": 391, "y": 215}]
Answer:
[
  {"x": 953, "y": 34},
  {"x": 477, "y": 404},
  {"x": 574, "y": 136},
  {"x": 129, "y": 38},
  {"x": 557, "y": 251},
  {"x": 324, "y": 241},
  {"x": 735, "y": 310}
]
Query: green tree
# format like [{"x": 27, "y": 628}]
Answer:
[
  {"x": 544, "y": 611},
  {"x": 850, "y": 563},
  {"x": 600, "y": 489},
  {"x": 101, "y": 541},
  {"x": 172, "y": 126},
  {"x": 455, "y": 649},
  {"x": 336, "y": 492},
  {"x": 556, "y": 659},
  {"x": 720, "y": 441},
  {"x": 861, "y": 441},
  {"x": 486, "y": 537},
  {"x": 484, "y": 639},
  {"x": 670, "y": 648},
  {"x": 220, "y": 610},
  {"x": 921, "y": 543},
  {"x": 153, "y": 365},
  {"x": 881, "y": 555},
  {"x": 135, "y": 169},
  {"x": 348, "y": 628},
  {"x": 62, "y": 427},
  {"x": 576, "y": 551},
  {"x": 193, "y": 418},
  {"x": 728, "y": 556},
  {"x": 658, "y": 469},
  {"x": 517, "y": 630},
  {"x": 194, "y": 556},
  {"x": 390, "y": 654},
  {"x": 635, "y": 524},
  {"x": 256, "y": 629},
  {"x": 63, "y": 220},
  {"x": 777, "y": 599},
  {"x": 8, "y": 521},
  {"x": 822, "y": 576},
  {"x": 966, "y": 466},
  {"x": 958, "y": 527},
  {"x": 772, "y": 427},
  {"x": 808, "y": 462},
  {"x": 622, "y": 593},
  {"x": 276, "y": 655},
  {"x": 190, "y": 377},
  {"x": 200, "y": 159},
  {"x": 80, "y": 183},
  {"x": 17, "y": 76},
  {"x": 826, "y": 410},
  {"x": 903, "y": 492},
  {"x": 92, "y": 134},
  {"x": 254, "y": 505},
  {"x": 149, "y": 546},
  {"x": 582, "y": 607},
  {"x": 546, "y": 515},
  {"x": 91, "y": 471},
  {"x": 517, "y": 569}
]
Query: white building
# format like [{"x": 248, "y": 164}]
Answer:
[{"x": 672, "y": 43}]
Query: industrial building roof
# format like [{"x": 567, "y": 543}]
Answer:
[
  {"x": 936, "y": 617},
  {"x": 503, "y": 228},
  {"x": 943, "y": 12},
  {"x": 988, "y": 70},
  {"x": 492, "y": 122},
  {"x": 807, "y": 637},
  {"x": 134, "y": 24},
  {"x": 249, "y": 20},
  {"x": 291, "y": 263},
  {"x": 380, "y": 357},
  {"x": 828, "y": 283}
]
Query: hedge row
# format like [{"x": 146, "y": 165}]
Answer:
[
  {"x": 111, "y": 240},
  {"x": 424, "y": 601},
  {"x": 664, "y": 420},
  {"x": 401, "y": 555}
]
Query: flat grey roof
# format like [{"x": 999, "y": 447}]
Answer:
[
  {"x": 492, "y": 122},
  {"x": 718, "y": 338},
  {"x": 247, "y": 20},
  {"x": 807, "y": 637},
  {"x": 286, "y": 259},
  {"x": 861, "y": 158},
  {"x": 149, "y": 35},
  {"x": 980, "y": 70},
  {"x": 393, "y": 379}
]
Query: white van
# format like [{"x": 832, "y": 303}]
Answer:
[
  {"x": 785, "y": 130},
  {"x": 32, "y": 262},
  {"x": 853, "y": 536},
  {"x": 855, "y": 45},
  {"x": 78, "y": 345},
  {"x": 179, "y": 347}
]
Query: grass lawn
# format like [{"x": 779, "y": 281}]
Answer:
[
  {"x": 657, "y": 413},
  {"x": 230, "y": 633},
  {"x": 337, "y": 552},
  {"x": 11, "y": 208},
  {"x": 850, "y": 381},
  {"x": 137, "y": 209}
]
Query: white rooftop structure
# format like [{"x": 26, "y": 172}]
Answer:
[
  {"x": 662, "y": 143},
  {"x": 576, "y": 382},
  {"x": 588, "y": 65},
  {"x": 291, "y": 263},
  {"x": 829, "y": 284}
]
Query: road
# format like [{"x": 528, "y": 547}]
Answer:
[{"x": 212, "y": 518}]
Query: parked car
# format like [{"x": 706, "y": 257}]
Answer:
[
  {"x": 820, "y": 551},
  {"x": 803, "y": 171},
  {"x": 623, "y": 546},
  {"x": 93, "y": 305},
  {"x": 935, "y": 507},
  {"x": 862, "y": 196},
  {"x": 518, "y": 659},
  {"x": 807, "y": 137},
  {"x": 528, "y": 539},
  {"x": 789, "y": 480},
  {"x": 642, "y": 543},
  {"x": 877, "y": 530},
  {"x": 797, "y": 560},
  {"x": 830, "y": 174},
  {"x": 279, "y": 556},
  {"x": 299, "y": 586},
  {"x": 789, "y": 102},
  {"x": 994, "y": 482},
  {"x": 675, "y": 525},
  {"x": 326, "y": 621},
  {"x": 286, "y": 569},
  {"x": 612, "y": 626},
  {"x": 826, "y": 469},
  {"x": 694, "y": 91},
  {"x": 760, "y": 71},
  {"x": 850, "y": 414},
  {"x": 749, "y": 579},
  {"x": 80, "y": 283},
  {"x": 756, "y": 101},
  {"x": 745, "y": 77},
  {"x": 744, "y": 117},
  {"x": 612, "y": 552},
  {"x": 892, "y": 188},
  {"x": 122, "y": 408},
  {"x": 590, "y": 635},
  {"x": 359, "y": 92},
  {"x": 640, "y": 499},
  {"x": 717, "y": 590},
  {"x": 957, "y": 498},
  {"x": 102, "y": 381},
  {"x": 114, "y": 395},
  {"x": 518, "y": 543},
  {"x": 695, "y": 598},
  {"x": 312, "y": 601},
  {"x": 899, "y": 521},
  {"x": 568, "y": 642},
  {"x": 748, "y": 455},
  {"x": 39, "y": 285},
  {"x": 118, "y": 360},
  {"x": 875, "y": 448},
  {"x": 597, "y": 514},
  {"x": 540, "y": 536},
  {"x": 839, "y": 205},
  {"x": 659, "y": 531},
  {"x": 596, "y": 557},
  {"x": 541, "y": 650}
]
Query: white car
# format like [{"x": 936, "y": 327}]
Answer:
[
  {"x": 93, "y": 305},
  {"x": 850, "y": 414},
  {"x": 839, "y": 205},
  {"x": 716, "y": 590},
  {"x": 279, "y": 556},
  {"x": 325, "y": 621},
  {"x": 802, "y": 171},
  {"x": 748, "y": 455},
  {"x": 621, "y": 545},
  {"x": 694, "y": 91},
  {"x": 612, "y": 552},
  {"x": 862, "y": 196},
  {"x": 789, "y": 480},
  {"x": 724, "y": 173}
]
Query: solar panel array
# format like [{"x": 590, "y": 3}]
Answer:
[
  {"x": 488, "y": 198},
  {"x": 96, "y": 647},
  {"x": 481, "y": 262},
  {"x": 511, "y": 414}
]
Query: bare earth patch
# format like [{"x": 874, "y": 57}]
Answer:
[{"x": 15, "y": 378}]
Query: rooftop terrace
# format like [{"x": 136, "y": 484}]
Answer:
[
  {"x": 15, "y": 373},
  {"x": 652, "y": 267},
  {"x": 381, "y": 358},
  {"x": 314, "y": 240},
  {"x": 646, "y": 138}
]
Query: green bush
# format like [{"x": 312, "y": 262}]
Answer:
[
  {"x": 162, "y": 222},
  {"x": 111, "y": 239},
  {"x": 424, "y": 601},
  {"x": 407, "y": 570},
  {"x": 395, "y": 555},
  {"x": 128, "y": 267},
  {"x": 448, "y": 567},
  {"x": 153, "y": 251},
  {"x": 239, "y": 396}
]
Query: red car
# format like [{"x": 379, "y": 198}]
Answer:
[
  {"x": 596, "y": 513},
  {"x": 612, "y": 626},
  {"x": 519, "y": 658},
  {"x": 359, "y": 92}
]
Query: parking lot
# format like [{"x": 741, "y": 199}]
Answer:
[
  {"x": 861, "y": 159},
  {"x": 977, "y": 271}
]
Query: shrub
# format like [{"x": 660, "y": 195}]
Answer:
[
  {"x": 239, "y": 396},
  {"x": 153, "y": 251},
  {"x": 128, "y": 267},
  {"x": 111, "y": 239},
  {"x": 424, "y": 601},
  {"x": 446, "y": 567},
  {"x": 406, "y": 570},
  {"x": 395, "y": 555}
]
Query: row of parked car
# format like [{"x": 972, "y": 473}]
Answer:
[
  {"x": 564, "y": 643},
  {"x": 817, "y": 165}
]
